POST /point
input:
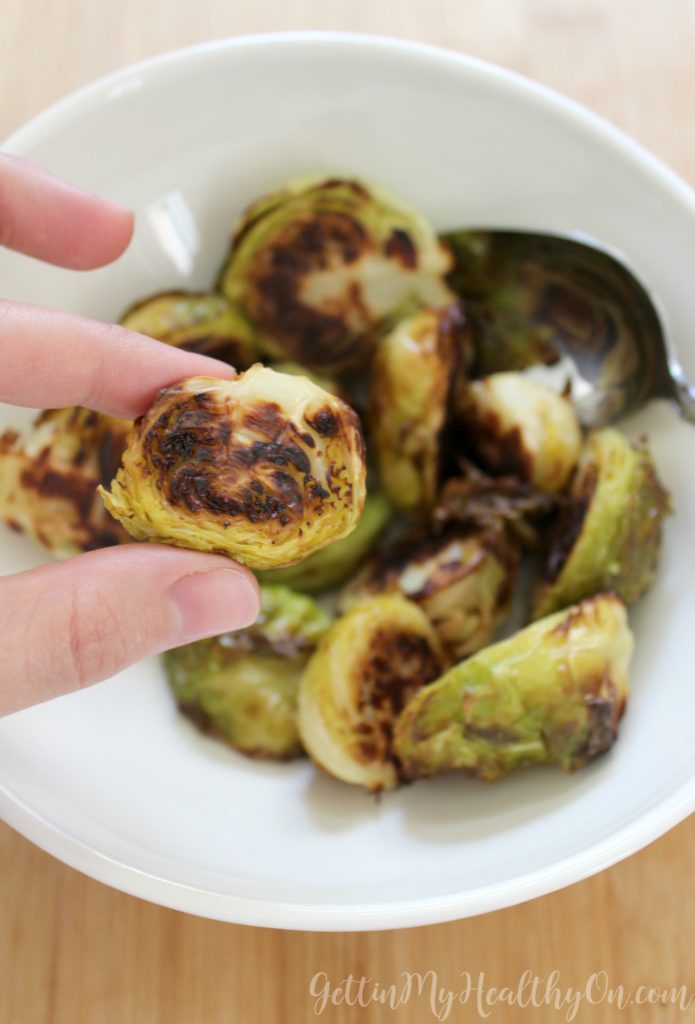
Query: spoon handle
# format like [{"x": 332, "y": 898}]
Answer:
[{"x": 684, "y": 397}]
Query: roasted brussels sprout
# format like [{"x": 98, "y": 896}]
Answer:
[
  {"x": 266, "y": 468},
  {"x": 492, "y": 503},
  {"x": 411, "y": 381},
  {"x": 49, "y": 480},
  {"x": 318, "y": 265},
  {"x": 517, "y": 426},
  {"x": 242, "y": 687},
  {"x": 462, "y": 580},
  {"x": 203, "y": 322},
  {"x": 364, "y": 670},
  {"x": 609, "y": 535},
  {"x": 553, "y": 692},
  {"x": 333, "y": 564}
]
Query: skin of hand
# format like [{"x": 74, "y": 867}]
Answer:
[{"x": 68, "y": 625}]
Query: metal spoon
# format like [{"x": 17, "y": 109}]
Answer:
[{"x": 544, "y": 299}]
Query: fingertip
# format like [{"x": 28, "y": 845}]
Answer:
[
  {"x": 165, "y": 366},
  {"x": 215, "y": 368},
  {"x": 214, "y": 602},
  {"x": 104, "y": 236},
  {"x": 60, "y": 223},
  {"x": 122, "y": 226},
  {"x": 67, "y": 625}
]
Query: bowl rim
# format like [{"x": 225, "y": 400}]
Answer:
[
  {"x": 543, "y": 95},
  {"x": 301, "y": 916},
  {"x": 644, "y": 829}
]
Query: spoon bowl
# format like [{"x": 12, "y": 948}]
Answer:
[{"x": 544, "y": 299}]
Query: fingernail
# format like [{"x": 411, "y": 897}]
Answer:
[{"x": 209, "y": 603}]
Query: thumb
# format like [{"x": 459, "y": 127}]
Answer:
[{"x": 69, "y": 625}]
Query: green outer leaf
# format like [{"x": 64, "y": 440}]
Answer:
[
  {"x": 243, "y": 686},
  {"x": 553, "y": 692}
]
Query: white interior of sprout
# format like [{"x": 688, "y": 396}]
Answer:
[{"x": 369, "y": 289}]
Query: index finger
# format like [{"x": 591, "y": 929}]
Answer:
[
  {"x": 42, "y": 216},
  {"x": 51, "y": 359}
]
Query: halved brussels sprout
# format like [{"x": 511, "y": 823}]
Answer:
[
  {"x": 49, "y": 480},
  {"x": 318, "y": 265},
  {"x": 517, "y": 426},
  {"x": 609, "y": 535},
  {"x": 203, "y": 322},
  {"x": 333, "y": 564},
  {"x": 265, "y": 468},
  {"x": 462, "y": 580},
  {"x": 552, "y": 693},
  {"x": 364, "y": 670},
  {"x": 491, "y": 503},
  {"x": 242, "y": 687},
  {"x": 411, "y": 381}
]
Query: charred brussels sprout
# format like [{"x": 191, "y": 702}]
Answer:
[
  {"x": 318, "y": 265},
  {"x": 331, "y": 565},
  {"x": 242, "y": 687},
  {"x": 411, "y": 381},
  {"x": 609, "y": 535},
  {"x": 477, "y": 501},
  {"x": 553, "y": 693},
  {"x": 517, "y": 426},
  {"x": 364, "y": 670},
  {"x": 202, "y": 322},
  {"x": 462, "y": 581},
  {"x": 49, "y": 480},
  {"x": 266, "y": 468}
]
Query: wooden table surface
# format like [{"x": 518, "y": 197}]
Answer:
[{"x": 75, "y": 952}]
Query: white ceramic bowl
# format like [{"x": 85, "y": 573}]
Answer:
[{"x": 112, "y": 780}]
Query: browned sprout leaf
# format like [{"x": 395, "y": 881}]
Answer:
[
  {"x": 49, "y": 480},
  {"x": 462, "y": 580},
  {"x": 478, "y": 501}
]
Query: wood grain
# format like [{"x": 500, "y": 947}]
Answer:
[{"x": 75, "y": 952}]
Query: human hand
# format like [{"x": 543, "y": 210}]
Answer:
[{"x": 68, "y": 625}]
